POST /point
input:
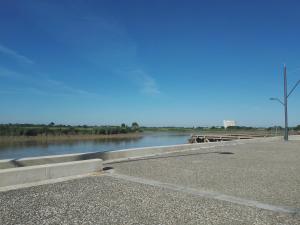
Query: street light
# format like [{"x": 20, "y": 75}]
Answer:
[
  {"x": 285, "y": 102},
  {"x": 278, "y": 100}
]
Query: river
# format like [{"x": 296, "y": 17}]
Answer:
[{"x": 35, "y": 148}]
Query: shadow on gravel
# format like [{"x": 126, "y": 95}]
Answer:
[
  {"x": 226, "y": 153},
  {"x": 108, "y": 168}
]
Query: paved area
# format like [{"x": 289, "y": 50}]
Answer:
[{"x": 250, "y": 183}]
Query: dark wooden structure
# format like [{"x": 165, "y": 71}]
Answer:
[{"x": 198, "y": 138}]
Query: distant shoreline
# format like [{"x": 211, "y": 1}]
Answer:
[{"x": 75, "y": 137}]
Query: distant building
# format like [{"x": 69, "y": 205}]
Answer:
[{"x": 229, "y": 123}]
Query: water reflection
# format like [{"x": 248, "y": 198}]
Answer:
[
  {"x": 54, "y": 147},
  {"x": 70, "y": 143}
]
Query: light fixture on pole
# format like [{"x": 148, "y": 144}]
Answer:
[{"x": 285, "y": 103}]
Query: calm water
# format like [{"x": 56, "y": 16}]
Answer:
[{"x": 34, "y": 148}]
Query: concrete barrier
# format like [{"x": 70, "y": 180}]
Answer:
[
  {"x": 22, "y": 175},
  {"x": 41, "y": 160},
  {"x": 122, "y": 155},
  {"x": 112, "y": 155},
  {"x": 119, "y": 154}
]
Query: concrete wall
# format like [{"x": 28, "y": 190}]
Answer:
[
  {"x": 112, "y": 155},
  {"x": 30, "y": 174},
  {"x": 33, "y": 161},
  {"x": 125, "y": 154},
  {"x": 117, "y": 155}
]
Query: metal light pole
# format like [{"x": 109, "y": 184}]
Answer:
[
  {"x": 286, "y": 131},
  {"x": 285, "y": 103}
]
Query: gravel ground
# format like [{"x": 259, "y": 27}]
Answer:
[
  {"x": 106, "y": 200},
  {"x": 268, "y": 172}
]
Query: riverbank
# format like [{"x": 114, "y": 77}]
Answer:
[{"x": 81, "y": 137}]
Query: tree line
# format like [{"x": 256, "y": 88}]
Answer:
[
  {"x": 60, "y": 129},
  {"x": 52, "y": 129},
  {"x": 217, "y": 128}
]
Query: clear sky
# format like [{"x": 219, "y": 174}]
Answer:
[{"x": 181, "y": 63}]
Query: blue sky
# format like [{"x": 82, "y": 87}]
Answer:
[{"x": 160, "y": 63}]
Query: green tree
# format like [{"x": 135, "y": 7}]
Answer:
[{"x": 135, "y": 126}]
